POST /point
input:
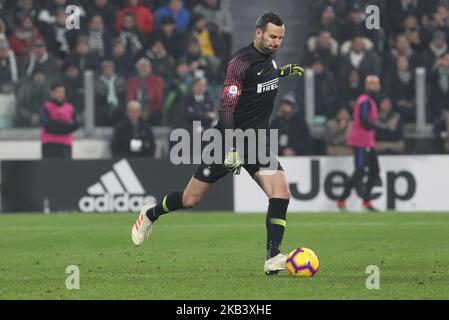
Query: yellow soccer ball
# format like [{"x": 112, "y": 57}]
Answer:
[{"x": 302, "y": 262}]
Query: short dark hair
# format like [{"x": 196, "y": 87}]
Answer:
[
  {"x": 269, "y": 17},
  {"x": 55, "y": 86},
  {"x": 130, "y": 14}
]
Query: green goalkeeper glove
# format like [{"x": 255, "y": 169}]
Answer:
[
  {"x": 291, "y": 70},
  {"x": 232, "y": 162}
]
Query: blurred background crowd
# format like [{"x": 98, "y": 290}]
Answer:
[
  {"x": 342, "y": 51},
  {"x": 150, "y": 51},
  {"x": 168, "y": 56}
]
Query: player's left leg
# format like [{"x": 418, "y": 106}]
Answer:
[
  {"x": 373, "y": 175},
  {"x": 274, "y": 184}
]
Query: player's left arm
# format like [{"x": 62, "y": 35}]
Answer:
[
  {"x": 364, "y": 117},
  {"x": 291, "y": 69}
]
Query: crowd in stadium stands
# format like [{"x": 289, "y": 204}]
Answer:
[
  {"x": 166, "y": 55},
  {"x": 342, "y": 51}
]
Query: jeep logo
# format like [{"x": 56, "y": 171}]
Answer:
[{"x": 335, "y": 180}]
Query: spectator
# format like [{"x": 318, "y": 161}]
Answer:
[
  {"x": 99, "y": 38},
  {"x": 191, "y": 4},
  {"x": 390, "y": 130},
  {"x": 170, "y": 38},
  {"x": 336, "y": 134},
  {"x": 40, "y": 59},
  {"x": 2, "y": 28},
  {"x": 327, "y": 20},
  {"x": 110, "y": 96},
  {"x": 155, "y": 4},
  {"x": 324, "y": 48},
  {"x": 197, "y": 106},
  {"x": 48, "y": 14},
  {"x": 131, "y": 36},
  {"x": 83, "y": 57},
  {"x": 351, "y": 88},
  {"x": 177, "y": 88},
  {"x": 441, "y": 130},
  {"x": 161, "y": 61},
  {"x": 7, "y": 111},
  {"x": 359, "y": 58},
  {"x": 21, "y": 41},
  {"x": 124, "y": 63},
  {"x": 400, "y": 87},
  {"x": 326, "y": 92},
  {"x": 8, "y": 64},
  {"x": 31, "y": 96},
  {"x": 21, "y": 9},
  {"x": 176, "y": 10},
  {"x": 437, "y": 48},
  {"x": 439, "y": 86},
  {"x": 143, "y": 16},
  {"x": 74, "y": 83},
  {"x": 336, "y": 7},
  {"x": 398, "y": 10},
  {"x": 60, "y": 39},
  {"x": 417, "y": 36},
  {"x": 210, "y": 42},
  {"x": 59, "y": 122},
  {"x": 354, "y": 25},
  {"x": 214, "y": 12},
  {"x": 293, "y": 131},
  {"x": 107, "y": 11},
  {"x": 199, "y": 64},
  {"x": 148, "y": 89},
  {"x": 133, "y": 137},
  {"x": 440, "y": 19},
  {"x": 8, "y": 78},
  {"x": 401, "y": 47}
]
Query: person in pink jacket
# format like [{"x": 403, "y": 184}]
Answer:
[
  {"x": 363, "y": 141},
  {"x": 59, "y": 122}
]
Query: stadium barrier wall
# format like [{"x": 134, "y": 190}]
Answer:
[
  {"x": 120, "y": 185},
  {"x": 408, "y": 183}
]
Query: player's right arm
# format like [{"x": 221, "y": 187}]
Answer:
[
  {"x": 232, "y": 89},
  {"x": 364, "y": 116}
]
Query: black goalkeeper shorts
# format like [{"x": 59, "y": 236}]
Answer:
[{"x": 211, "y": 173}]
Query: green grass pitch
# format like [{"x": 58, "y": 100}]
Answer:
[{"x": 220, "y": 256}]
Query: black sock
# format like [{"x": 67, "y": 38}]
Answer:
[
  {"x": 171, "y": 202},
  {"x": 275, "y": 223}
]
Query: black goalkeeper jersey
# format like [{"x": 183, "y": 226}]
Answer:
[{"x": 249, "y": 89}]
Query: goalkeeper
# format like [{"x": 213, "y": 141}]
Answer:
[{"x": 249, "y": 89}]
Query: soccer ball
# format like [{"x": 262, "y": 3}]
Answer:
[{"x": 302, "y": 262}]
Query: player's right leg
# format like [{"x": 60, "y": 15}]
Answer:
[
  {"x": 190, "y": 197},
  {"x": 359, "y": 162},
  {"x": 198, "y": 186},
  {"x": 274, "y": 184}
]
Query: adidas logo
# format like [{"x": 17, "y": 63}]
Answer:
[{"x": 118, "y": 190}]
